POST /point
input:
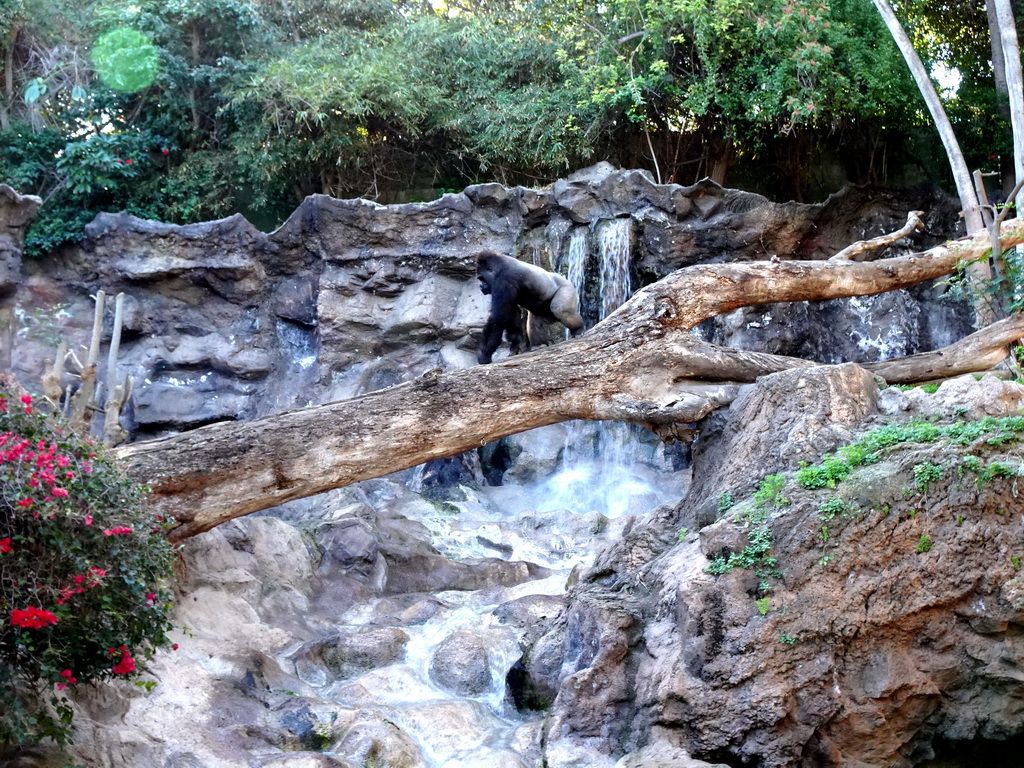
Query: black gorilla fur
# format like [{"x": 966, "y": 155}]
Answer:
[{"x": 513, "y": 284}]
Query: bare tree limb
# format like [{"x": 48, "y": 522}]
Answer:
[
  {"x": 641, "y": 365},
  {"x": 981, "y": 350},
  {"x": 913, "y": 224}
]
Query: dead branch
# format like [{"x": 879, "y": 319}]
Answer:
[
  {"x": 913, "y": 224},
  {"x": 641, "y": 365}
]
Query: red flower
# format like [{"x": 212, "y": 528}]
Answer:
[
  {"x": 32, "y": 618},
  {"x": 5, "y": 545},
  {"x": 60, "y": 493},
  {"x": 26, "y": 399},
  {"x": 125, "y": 665},
  {"x": 69, "y": 677},
  {"x": 119, "y": 530},
  {"x": 26, "y": 503}
]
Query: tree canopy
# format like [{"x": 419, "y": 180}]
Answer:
[{"x": 185, "y": 111}]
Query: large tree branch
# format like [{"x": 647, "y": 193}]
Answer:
[{"x": 641, "y": 364}]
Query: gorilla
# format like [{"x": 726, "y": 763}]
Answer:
[{"x": 513, "y": 284}]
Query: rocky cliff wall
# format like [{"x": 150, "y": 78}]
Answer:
[
  {"x": 876, "y": 621},
  {"x": 226, "y": 322}
]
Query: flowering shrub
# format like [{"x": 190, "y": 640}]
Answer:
[{"x": 84, "y": 571}]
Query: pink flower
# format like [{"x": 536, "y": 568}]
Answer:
[
  {"x": 60, "y": 493},
  {"x": 26, "y": 399},
  {"x": 150, "y": 598},
  {"x": 32, "y": 618},
  {"x": 88, "y": 519},
  {"x": 119, "y": 530}
]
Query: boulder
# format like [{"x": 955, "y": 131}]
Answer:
[{"x": 460, "y": 664}]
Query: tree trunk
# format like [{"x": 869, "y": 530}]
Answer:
[
  {"x": 1006, "y": 172},
  {"x": 961, "y": 175},
  {"x": 641, "y": 364},
  {"x": 8, "y": 98},
  {"x": 1014, "y": 81},
  {"x": 998, "y": 62}
]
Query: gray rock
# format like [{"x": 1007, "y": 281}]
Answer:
[
  {"x": 460, "y": 664},
  {"x": 531, "y": 615},
  {"x": 374, "y": 741},
  {"x": 351, "y": 653}
]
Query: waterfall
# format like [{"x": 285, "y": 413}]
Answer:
[
  {"x": 600, "y": 462},
  {"x": 617, "y": 442},
  {"x": 613, "y": 253},
  {"x": 576, "y": 260}
]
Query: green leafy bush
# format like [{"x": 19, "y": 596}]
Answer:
[
  {"x": 831, "y": 471},
  {"x": 925, "y": 474},
  {"x": 84, "y": 571}
]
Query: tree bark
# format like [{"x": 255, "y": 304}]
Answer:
[
  {"x": 641, "y": 364},
  {"x": 961, "y": 175},
  {"x": 1014, "y": 81}
]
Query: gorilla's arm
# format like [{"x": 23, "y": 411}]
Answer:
[{"x": 504, "y": 312}]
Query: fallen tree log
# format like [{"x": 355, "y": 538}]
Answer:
[{"x": 642, "y": 364}]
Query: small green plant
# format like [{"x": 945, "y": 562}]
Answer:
[
  {"x": 787, "y": 639},
  {"x": 831, "y": 507},
  {"x": 931, "y": 387},
  {"x": 757, "y": 554},
  {"x": 763, "y": 605},
  {"x": 683, "y": 532},
  {"x": 724, "y": 502},
  {"x": 831, "y": 471},
  {"x": 1015, "y": 561},
  {"x": 960, "y": 519},
  {"x": 924, "y": 544},
  {"x": 769, "y": 493},
  {"x": 824, "y": 533},
  {"x": 825, "y": 560},
  {"x": 835, "y": 467},
  {"x": 925, "y": 474}
]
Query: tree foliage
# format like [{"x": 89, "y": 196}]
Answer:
[{"x": 249, "y": 105}]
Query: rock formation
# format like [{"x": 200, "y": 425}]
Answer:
[
  {"x": 225, "y": 322},
  {"x": 374, "y": 625},
  {"x": 886, "y": 621}
]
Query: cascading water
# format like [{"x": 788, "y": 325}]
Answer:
[
  {"x": 601, "y": 467},
  {"x": 556, "y": 524},
  {"x": 617, "y": 442},
  {"x": 613, "y": 254}
]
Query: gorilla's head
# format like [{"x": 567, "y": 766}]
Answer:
[{"x": 486, "y": 271}]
